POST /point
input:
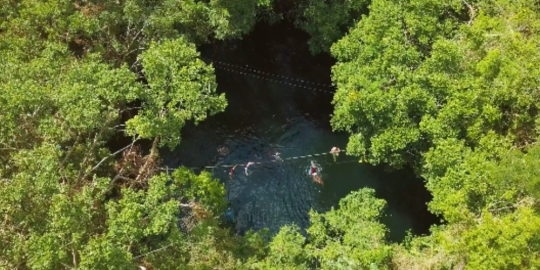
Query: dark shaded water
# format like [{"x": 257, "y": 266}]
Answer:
[{"x": 264, "y": 117}]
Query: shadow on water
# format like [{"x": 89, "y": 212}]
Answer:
[{"x": 264, "y": 117}]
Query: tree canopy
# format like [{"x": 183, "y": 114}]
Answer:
[
  {"x": 449, "y": 88},
  {"x": 77, "y": 74},
  {"x": 350, "y": 237}
]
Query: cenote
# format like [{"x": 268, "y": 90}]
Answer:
[{"x": 264, "y": 117}]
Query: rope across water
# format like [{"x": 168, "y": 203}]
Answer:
[
  {"x": 257, "y": 163},
  {"x": 277, "y": 78}
]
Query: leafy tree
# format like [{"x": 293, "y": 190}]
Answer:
[
  {"x": 43, "y": 100},
  {"x": 377, "y": 99},
  {"x": 449, "y": 89},
  {"x": 120, "y": 31},
  {"x": 406, "y": 81},
  {"x": 424, "y": 252},
  {"x": 350, "y": 237},
  {"x": 77, "y": 74},
  {"x": 52, "y": 224},
  {"x": 285, "y": 251},
  {"x": 507, "y": 242},
  {"x": 180, "y": 88},
  {"x": 491, "y": 205},
  {"x": 327, "y": 21}
]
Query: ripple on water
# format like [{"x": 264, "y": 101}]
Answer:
[
  {"x": 274, "y": 194},
  {"x": 263, "y": 117}
]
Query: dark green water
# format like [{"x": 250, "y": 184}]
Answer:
[{"x": 264, "y": 117}]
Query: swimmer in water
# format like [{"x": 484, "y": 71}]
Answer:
[
  {"x": 335, "y": 152},
  {"x": 313, "y": 172},
  {"x": 277, "y": 157},
  {"x": 247, "y": 166},
  {"x": 231, "y": 172}
]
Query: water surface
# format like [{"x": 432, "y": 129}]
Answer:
[{"x": 264, "y": 117}]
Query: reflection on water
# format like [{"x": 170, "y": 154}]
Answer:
[
  {"x": 263, "y": 118},
  {"x": 275, "y": 193}
]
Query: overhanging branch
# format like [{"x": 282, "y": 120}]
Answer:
[
  {"x": 153, "y": 251},
  {"x": 111, "y": 155}
]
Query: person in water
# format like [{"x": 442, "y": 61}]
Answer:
[
  {"x": 247, "y": 166},
  {"x": 313, "y": 172},
  {"x": 231, "y": 172},
  {"x": 335, "y": 152},
  {"x": 277, "y": 157}
]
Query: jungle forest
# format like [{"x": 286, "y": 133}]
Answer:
[{"x": 97, "y": 95}]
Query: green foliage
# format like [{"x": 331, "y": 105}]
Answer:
[
  {"x": 75, "y": 73},
  {"x": 491, "y": 205},
  {"x": 234, "y": 18},
  {"x": 50, "y": 224},
  {"x": 407, "y": 81},
  {"x": 378, "y": 99},
  {"x": 101, "y": 253},
  {"x": 120, "y": 31},
  {"x": 449, "y": 88},
  {"x": 327, "y": 21},
  {"x": 508, "y": 242},
  {"x": 180, "y": 88},
  {"x": 479, "y": 181},
  {"x": 286, "y": 251},
  {"x": 471, "y": 182},
  {"x": 425, "y": 252},
  {"x": 350, "y": 237}
]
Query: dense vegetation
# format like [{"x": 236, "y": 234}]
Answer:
[{"x": 450, "y": 88}]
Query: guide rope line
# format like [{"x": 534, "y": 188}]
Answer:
[
  {"x": 270, "y": 77},
  {"x": 268, "y": 73},
  {"x": 255, "y": 163},
  {"x": 277, "y": 81}
]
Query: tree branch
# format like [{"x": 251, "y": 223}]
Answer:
[
  {"x": 9, "y": 149},
  {"x": 129, "y": 180},
  {"x": 86, "y": 156},
  {"x": 111, "y": 155},
  {"x": 70, "y": 151},
  {"x": 186, "y": 205},
  {"x": 471, "y": 10},
  {"x": 74, "y": 255},
  {"x": 67, "y": 266},
  {"x": 153, "y": 251},
  {"x": 151, "y": 156},
  {"x": 133, "y": 40},
  {"x": 129, "y": 109},
  {"x": 503, "y": 208},
  {"x": 118, "y": 176}
]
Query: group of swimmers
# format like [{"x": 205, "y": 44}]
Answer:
[{"x": 312, "y": 171}]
